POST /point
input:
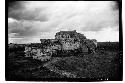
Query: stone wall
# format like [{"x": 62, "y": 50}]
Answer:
[
  {"x": 42, "y": 53},
  {"x": 65, "y": 41},
  {"x": 37, "y": 53},
  {"x": 70, "y": 40},
  {"x": 91, "y": 45}
]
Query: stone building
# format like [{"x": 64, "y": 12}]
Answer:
[
  {"x": 37, "y": 52},
  {"x": 71, "y": 40},
  {"x": 65, "y": 41}
]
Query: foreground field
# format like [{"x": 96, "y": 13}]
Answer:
[
  {"x": 86, "y": 66},
  {"x": 105, "y": 64}
]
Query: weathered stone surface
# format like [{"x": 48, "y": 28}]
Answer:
[
  {"x": 27, "y": 51},
  {"x": 70, "y": 40},
  {"x": 91, "y": 45},
  {"x": 65, "y": 42}
]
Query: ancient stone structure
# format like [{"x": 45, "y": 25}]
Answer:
[
  {"x": 38, "y": 52},
  {"x": 64, "y": 41},
  {"x": 91, "y": 45},
  {"x": 69, "y": 39}
]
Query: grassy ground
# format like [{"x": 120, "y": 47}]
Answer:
[
  {"x": 88, "y": 66},
  {"x": 21, "y": 68},
  {"x": 105, "y": 63}
]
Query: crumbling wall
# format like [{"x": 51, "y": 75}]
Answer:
[
  {"x": 37, "y": 53},
  {"x": 91, "y": 45},
  {"x": 65, "y": 41},
  {"x": 42, "y": 52},
  {"x": 70, "y": 40}
]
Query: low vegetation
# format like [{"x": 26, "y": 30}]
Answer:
[{"x": 105, "y": 63}]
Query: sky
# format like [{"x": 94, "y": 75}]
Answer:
[{"x": 30, "y": 21}]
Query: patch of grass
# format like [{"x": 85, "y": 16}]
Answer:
[{"x": 104, "y": 63}]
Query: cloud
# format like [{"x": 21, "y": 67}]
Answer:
[
  {"x": 22, "y": 11},
  {"x": 107, "y": 34},
  {"x": 24, "y": 28},
  {"x": 87, "y": 15},
  {"x": 34, "y": 18}
]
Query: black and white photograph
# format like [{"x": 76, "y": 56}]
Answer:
[{"x": 64, "y": 41}]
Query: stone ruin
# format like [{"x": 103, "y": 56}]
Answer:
[{"x": 64, "y": 42}]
